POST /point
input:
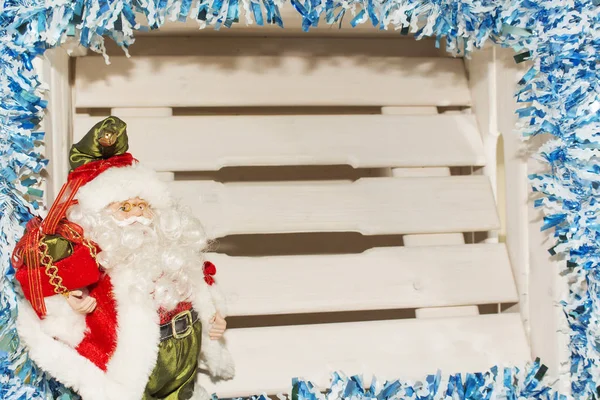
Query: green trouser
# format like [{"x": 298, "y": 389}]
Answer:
[{"x": 174, "y": 375}]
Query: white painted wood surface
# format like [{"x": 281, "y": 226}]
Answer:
[
  {"x": 268, "y": 358},
  {"x": 269, "y": 80},
  {"x": 382, "y": 278},
  {"x": 433, "y": 239},
  {"x": 536, "y": 272},
  {"x": 369, "y": 206},
  {"x": 446, "y": 312},
  {"x": 214, "y": 142},
  {"x": 420, "y": 172},
  {"x": 515, "y": 198},
  {"x": 481, "y": 68},
  {"x": 53, "y": 68},
  {"x": 399, "y": 110},
  {"x": 548, "y": 327},
  {"x": 128, "y": 113}
]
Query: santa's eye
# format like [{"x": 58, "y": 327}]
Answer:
[
  {"x": 143, "y": 206},
  {"x": 125, "y": 207}
]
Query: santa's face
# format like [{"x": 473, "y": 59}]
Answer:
[
  {"x": 130, "y": 211},
  {"x": 161, "y": 246}
]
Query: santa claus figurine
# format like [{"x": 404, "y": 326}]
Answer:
[{"x": 119, "y": 300}]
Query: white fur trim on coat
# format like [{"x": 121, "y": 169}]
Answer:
[
  {"x": 122, "y": 183},
  {"x": 62, "y": 322},
  {"x": 131, "y": 364},
  {"x": 214, "y": 354}
]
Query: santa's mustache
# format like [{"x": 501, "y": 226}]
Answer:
[{"x": 132, "y": 220}]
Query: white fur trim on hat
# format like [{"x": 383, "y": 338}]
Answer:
[{"x": 122, "y": 183}]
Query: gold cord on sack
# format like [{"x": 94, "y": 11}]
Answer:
[
  {"x": 86, "y": 243},
  {"x": 51, "y": 271}
]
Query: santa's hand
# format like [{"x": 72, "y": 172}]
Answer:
[
  {"x": 217, "y": 326},
  {"x": 81, "y": 301}
]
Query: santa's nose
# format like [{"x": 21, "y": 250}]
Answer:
[{"x": 136, "y": 212}]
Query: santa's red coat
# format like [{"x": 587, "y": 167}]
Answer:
[{"x": 77, "y": 271}]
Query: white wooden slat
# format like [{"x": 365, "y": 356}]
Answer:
[
  {"x": 369, "y": 206},
  {"x": 268, "y": 358},
  {"x": 433, "y": 239},
  {"x": 420, "y": 172},
  {"x": 447, "y": 312},
  {"x": 391, "y": 110},
  {"x": 166, "y": 176},
  {"x": 53, "y": 68},
  {"x": 383, "y": 278},
  {"x": 269, "y": 80},
  {"x": 362, "y": 141},
  {"x": 147, "y": 112}
]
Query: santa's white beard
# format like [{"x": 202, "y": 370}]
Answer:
[{"x": 166, "y": 255}]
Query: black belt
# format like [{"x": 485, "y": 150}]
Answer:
[{"x": 180, "y": 325}]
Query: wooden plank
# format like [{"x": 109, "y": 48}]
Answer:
[
  {"x": 268, "y": 358},
  {"x": 527, "y": 244},
  {"x": 547, "y": 324},
  {"x": 433, "y": 239},
  {"x": 369, "y": 206},
  {"x": 391, "y": 110},
  {"x": 53, "y": 68},
  {"x": 420, "y": 172},
  {"x": 136, "y": 112},
  {"x": 383, "y": 278},
  {"x": 269, "y": 80},
  {"x": 362, "y": 141},
  {"x": 447, "y": 312}
]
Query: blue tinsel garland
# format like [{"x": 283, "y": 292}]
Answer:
[
  {"x": 495, "y": 384},
  {"x": 561, "y": 92}
]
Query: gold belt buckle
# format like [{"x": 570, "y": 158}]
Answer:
[{"x": 184, "y": 314}]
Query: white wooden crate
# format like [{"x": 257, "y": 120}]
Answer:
[{"x": 434, "y": 271}]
